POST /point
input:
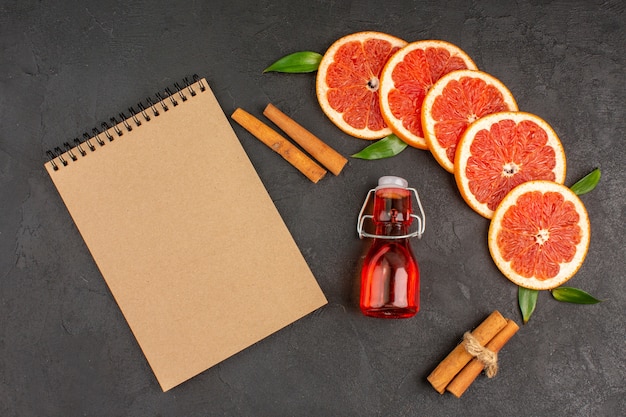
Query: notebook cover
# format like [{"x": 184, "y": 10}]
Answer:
[{"x": 186, "y": 237}]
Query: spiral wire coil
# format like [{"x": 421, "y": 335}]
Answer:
[{"x": 117, "y": 126}]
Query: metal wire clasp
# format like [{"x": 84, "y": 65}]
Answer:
[{"x": 420, "y": 220}]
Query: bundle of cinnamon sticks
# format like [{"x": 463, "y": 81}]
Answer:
[
  {"x": 315, "y": 147},
  {"x": 468, "y": 359}
]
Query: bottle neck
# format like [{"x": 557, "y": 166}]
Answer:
[{"x": 392, "y": 229}]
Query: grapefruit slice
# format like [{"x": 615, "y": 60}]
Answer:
[
  {"x": 407, "y": 77},
  {"x": 502, "y": 150},
  {"x": 456, "y": 100},
  {"x": 348, "y": 81},
  {"x": 539, "y": 234}
]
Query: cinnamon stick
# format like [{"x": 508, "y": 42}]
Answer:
[
  {"x": 279, "y": 144},
  {"x": 464, "y": 379},
  {"x": 441, "y": 376},
  {"x": 319, "y": 150}
]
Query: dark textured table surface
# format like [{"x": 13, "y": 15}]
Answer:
[{"x": 65, "y": 349}]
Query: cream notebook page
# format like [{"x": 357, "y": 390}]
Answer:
[{"x": 186, "y": 236}]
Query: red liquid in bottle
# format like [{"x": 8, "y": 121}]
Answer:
[{"x": 390, "y": 274}]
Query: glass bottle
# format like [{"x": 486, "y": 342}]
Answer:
[{"x": 390, "y": 278}]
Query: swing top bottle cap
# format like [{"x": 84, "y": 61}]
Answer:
[{"x": 390, "y": 181}]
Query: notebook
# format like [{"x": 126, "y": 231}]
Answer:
[{"x": 183, "y": 231}]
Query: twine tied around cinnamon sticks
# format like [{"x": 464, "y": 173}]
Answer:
[
  {"x": 488, "y": 357},
  {"x": 477, "y": 351}
]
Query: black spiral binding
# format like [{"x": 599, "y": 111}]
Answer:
[{"x": 115, "y": 128}]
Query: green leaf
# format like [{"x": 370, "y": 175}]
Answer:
[
  {"x": 385, "y": 148},
  {"x": 573, "y": 295},
  {"x": 527, "y": 299},
  {"x": 587, "y": 183},
  {"x": 298, "y": 62}
]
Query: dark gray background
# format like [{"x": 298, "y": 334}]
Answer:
[{"x": 65, "y": 349}]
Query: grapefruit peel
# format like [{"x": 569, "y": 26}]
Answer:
[
  {"x": 539, "y": 234},
  {"x": 500, "y": 151},
  {"x": 455, "y": 101},
  {"x": 406, "y": 78},
  {"x": 348, "y": 81}
]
